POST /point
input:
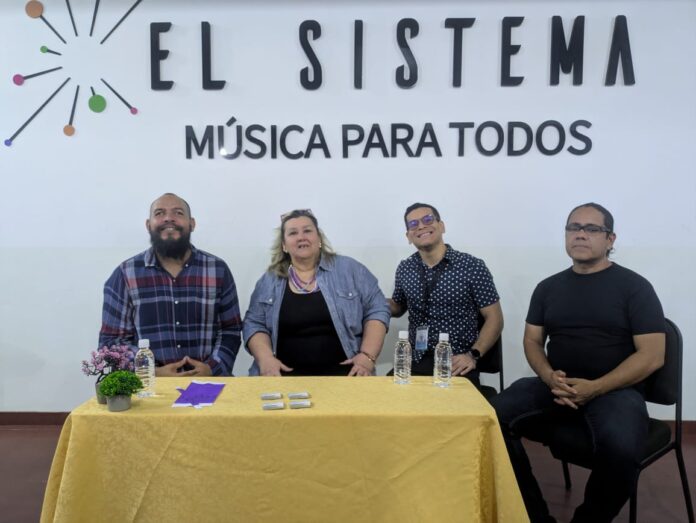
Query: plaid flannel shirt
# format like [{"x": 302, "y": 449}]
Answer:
[{"x": 195, "y": 314}]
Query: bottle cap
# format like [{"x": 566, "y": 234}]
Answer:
[
  {"x": 144, "y": 343},
  {"x": 403, "y": 335},
  {"x": 444, "y": 336}
]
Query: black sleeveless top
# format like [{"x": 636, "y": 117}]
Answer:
[{"x": 307, "y": 339}]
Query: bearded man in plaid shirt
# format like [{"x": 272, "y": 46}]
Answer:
[{"x": 182, "y": 299}]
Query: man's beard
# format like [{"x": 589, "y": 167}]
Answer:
[{"x": 169, "y": 247}]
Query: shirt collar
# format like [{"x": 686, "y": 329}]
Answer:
[
  {"x": 450, "y": 255},
  {"x": 152, "y": 261},
  {"x": 326, "y": 263}
]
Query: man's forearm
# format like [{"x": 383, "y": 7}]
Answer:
[
  {"x": 630, "y": 371},
  {"x": 490, "y": 330},
  {"x": 536, "y": 357},
  {"x": 395, "y": 309}
]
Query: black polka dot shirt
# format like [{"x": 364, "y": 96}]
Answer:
[{"x": 463, "y": 286}]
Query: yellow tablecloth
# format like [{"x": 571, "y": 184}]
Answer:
[{"x": 368, "y": 450}]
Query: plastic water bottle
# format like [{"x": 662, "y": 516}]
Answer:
[
  {"x": 145, "y": 368},
  {"x": 442, "y": 370},
  {"x": 402, "y": 359}
]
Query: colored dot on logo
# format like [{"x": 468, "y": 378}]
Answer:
[
  {"x": 34, "y": 9},
  {"x": 8, "y": 142},
  {"x": 97, "y": 103},
  {"x": 18, "y": 79},
  {"x": 68, "y": 130}
]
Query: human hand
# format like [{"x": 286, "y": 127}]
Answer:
[
  {"x": 585, "y": 390},
  {"x": 362, "y": 365},
  {"x": 565, "y": 394},
  {"x": 199, "y": 368},
  {"x": 171, "y": 370},
  {"x": 271, "y": 366},
  {"x": 462, "y": 364}
]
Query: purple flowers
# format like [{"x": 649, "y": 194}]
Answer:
[{"x": 108, "y": 359}]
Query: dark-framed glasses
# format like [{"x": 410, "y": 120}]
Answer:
[
  {"x": 428, "y": 219},
  {"x": 589, "y": 228}
]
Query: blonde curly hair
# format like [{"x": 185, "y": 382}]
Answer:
[{"x": 280, "y": 261}]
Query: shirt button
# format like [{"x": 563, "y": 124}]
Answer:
[
  {"x": 178, "y": 346},
  {"x": 177, "y": 323},
  {"x": 176, "y": 302}
]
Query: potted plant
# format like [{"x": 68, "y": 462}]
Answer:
[
  {"x": 118, "y": 387},
  {"x": 105, "y": 361}
]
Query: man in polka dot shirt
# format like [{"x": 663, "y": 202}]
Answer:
[{"x": 444, "y": 290}]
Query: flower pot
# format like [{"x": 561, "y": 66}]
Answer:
[
  {"x": 100, "y": 397},
  {"x": 118, "y": 403}
]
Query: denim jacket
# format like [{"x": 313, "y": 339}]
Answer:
[{"x": 351, "y": 293}]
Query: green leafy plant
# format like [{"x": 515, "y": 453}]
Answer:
[{"x": 120, "y": 382}]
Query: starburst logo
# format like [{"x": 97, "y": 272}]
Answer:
[{"x": 96, "y": 102}]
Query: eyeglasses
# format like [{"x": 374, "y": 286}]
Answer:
[
  {"x": 589, "y": 228},
  {"x": 428, "y": 219},
  {"x": 297, "y": 213}
]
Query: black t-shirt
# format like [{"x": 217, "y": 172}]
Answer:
[
  {"x": 307, "y": 339},
  {"x": 591, "y": 319}
]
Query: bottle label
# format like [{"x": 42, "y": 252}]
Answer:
[{"x": 422, "y": 338}]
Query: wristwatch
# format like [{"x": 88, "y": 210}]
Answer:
[{"x": 475, "y": 353}]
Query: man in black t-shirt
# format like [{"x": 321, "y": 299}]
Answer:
[{"x": 605, "y": 330}]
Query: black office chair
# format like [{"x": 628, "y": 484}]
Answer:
[
  {"x": 491, "y": 363},
  {"x": 571, "y": 442}
]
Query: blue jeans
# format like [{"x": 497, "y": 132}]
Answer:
[{"x": 618, "y": 424}]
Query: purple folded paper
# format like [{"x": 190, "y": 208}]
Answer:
[{"x": 199, "y": 394}]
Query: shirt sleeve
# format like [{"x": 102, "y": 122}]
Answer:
[
  {"x": 645, "y": 310},
  {"x": 118, "y": 327},
  {"x": 255, "y": 317},
  {"x": 399, "y": 296},
  {"x": 482, "y": 286},
  {"x": 535, "y": 314},
  {"x": 373, "y": 301},
  {"x": 229, "y": 323}
]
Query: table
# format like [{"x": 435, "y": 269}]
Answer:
[{"x": 368, "y": 450}]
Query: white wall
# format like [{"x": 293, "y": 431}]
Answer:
[{"x": 75, "y": 207}]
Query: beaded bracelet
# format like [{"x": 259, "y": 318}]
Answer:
[{"x": 372, "y": 359}]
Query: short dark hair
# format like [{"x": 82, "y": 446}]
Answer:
[
  {"x": 608, "y": 218},
  {"x": 419, "y": 205}
]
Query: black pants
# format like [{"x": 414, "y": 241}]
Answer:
[{"x": 618, "y": 423}]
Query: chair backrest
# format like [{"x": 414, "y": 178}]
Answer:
[
  {"x": 665, "y": 384},
  {"x": 492, "y": 361}
]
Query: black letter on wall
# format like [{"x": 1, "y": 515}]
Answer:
[
  {"x": 358, "y": 55},
  {"x": 570, "y": 57},
  {"x": 157, "y": 55},
  {"x": 620, "y": 47},
  {"x": 206, "y": 142},
  {"x": 401, "y": 80},
  {"x": 208, "y": 83},
  {"x": 507, "y": 50},
  {"x": 458, "y": 25},
  {"x": 305, "y": 28}
]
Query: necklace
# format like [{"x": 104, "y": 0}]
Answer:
[{"x": 304, "y": 287}]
